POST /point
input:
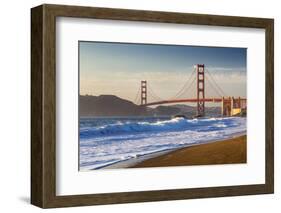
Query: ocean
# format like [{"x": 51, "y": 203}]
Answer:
[{"x": 106, "y": 141}]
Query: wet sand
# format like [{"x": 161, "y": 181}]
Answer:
[{"x": 233, "y": 150}]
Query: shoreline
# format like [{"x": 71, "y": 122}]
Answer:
[{"x": 153, "y": 159}]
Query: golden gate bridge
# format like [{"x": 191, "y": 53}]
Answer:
[{"x": 230, "y": 105}]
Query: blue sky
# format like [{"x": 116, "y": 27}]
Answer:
[{"x": 118, "y": 68}]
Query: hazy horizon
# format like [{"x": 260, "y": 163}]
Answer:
[{"x": 117, "y": 68}]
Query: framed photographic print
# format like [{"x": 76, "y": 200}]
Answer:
[{"x": 136, "y": 106}]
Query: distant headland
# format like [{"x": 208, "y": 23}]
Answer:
[{"x": 111, "y": 105}]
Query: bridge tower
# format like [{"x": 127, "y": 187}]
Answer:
[
  {"x": 143, "y": 92},
  {"x": 200, "y": 68}
]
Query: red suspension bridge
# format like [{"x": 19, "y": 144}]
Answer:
[{"x": 229, "y": 105}]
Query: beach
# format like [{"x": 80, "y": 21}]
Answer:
[{"x": 227, "y": 151}]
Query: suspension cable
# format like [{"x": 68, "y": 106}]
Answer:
[
  {"x": 152, "y": 93},
  {"x": 188, "y": 88},
  {"x": 137, "y": 96},
  {"x": 218, "y": 87},
  {"x": 186, "y": 84},
  {"x": 215, "y": 89}
]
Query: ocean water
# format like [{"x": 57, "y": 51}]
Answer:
[{"x": 105, "y": 141}]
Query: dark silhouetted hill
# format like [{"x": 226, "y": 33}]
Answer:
[
  {"x": 110, "y": 105},
  {"x": 107, "y": 105}
]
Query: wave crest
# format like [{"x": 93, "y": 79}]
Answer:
[{"x": 174, "y": 124}]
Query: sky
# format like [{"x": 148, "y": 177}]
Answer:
[{"x": 118, "y": 68}]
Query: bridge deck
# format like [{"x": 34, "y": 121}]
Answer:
[{"x": 191, "y": 100}]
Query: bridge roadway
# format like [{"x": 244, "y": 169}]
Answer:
[{"x": 190, "y": 100}]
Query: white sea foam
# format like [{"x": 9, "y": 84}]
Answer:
[
  {"x": 135, "y": 127},
  {"x": 120, "y": 140}
]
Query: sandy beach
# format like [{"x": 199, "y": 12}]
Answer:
[
  {"x": 228, "y": 151},
  {"x": 233, "y": 150}
]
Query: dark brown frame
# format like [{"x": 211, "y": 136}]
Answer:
[{"x": 43, "y": 105}]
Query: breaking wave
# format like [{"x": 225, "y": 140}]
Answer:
[{"x": 174, "y": 124}]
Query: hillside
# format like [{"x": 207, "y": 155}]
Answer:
[
  {"x": 110, "y": 105},
  {"x": 107, "y": 105}
]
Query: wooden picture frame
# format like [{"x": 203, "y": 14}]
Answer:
[{"x": 43, "y": 105}]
